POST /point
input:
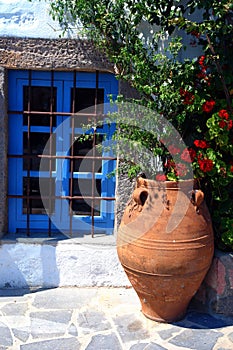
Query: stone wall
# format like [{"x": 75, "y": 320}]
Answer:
[
  {"x": 60, "y": 54},
  {"x": 216, "y": 292},
  {"x": 124, "y": 189}
]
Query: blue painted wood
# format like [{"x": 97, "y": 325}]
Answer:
[{"x": 63, "y": 81}]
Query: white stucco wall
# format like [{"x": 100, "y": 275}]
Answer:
[
  {"x": 28, "y": 264},
  {"x": 21, "y": 18}
]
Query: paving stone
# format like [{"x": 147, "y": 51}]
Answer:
[
  {"x": 47, "y": 329},
  {"x": 62, "y": 298},
  {"x": 14, "y": 309},
  {"x": 50, "y": 323},
  {"x": 168, "y": 333},
  {"x": 139, "y": 346},
  {"x": 104, "y": 342},
  {"x": 154, "y": 346},
  {"x": 130, "y": 328},
  {"x": 14, "y": 321},
  {"x": 93, "y": 320},
  {"x": 147, "y": 346},
  {"x": 63, "y": 316},
  {"x": 5, "y": 335},
  {"x": 21, "y": 334},
  {"x": 203, "y": 339},
  {"x": 54, "y": 344},
  {"x": 72, "y": 330}
]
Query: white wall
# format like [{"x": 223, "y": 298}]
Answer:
[
  {"x": 61, "y": 264},
  {"x": 21, "y": 18}
]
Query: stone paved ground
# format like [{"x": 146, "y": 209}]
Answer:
[{"x": 100, "y": 319}]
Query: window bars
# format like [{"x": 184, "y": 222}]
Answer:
[{"x": 40, "y": 110}]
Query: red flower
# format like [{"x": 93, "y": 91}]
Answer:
[
  {"x": 200, "y": 143},
  {"x": 161, "y": 177},
  {"x": 230, "y": 124},
  {"x": 182, "y": 92},
  {"x": 201, "y": 60},
  {"x": 181, "y": 169},
  {"x": 188, "y": 96},
  {"x": 208, "y": 106},
  {"x": 173, "y": 150},
  {"x": 231, "y": 169},
  {"x": 222, "y": 124},
  {"x": 192, "y": 154},
  {"x": 223, "y": 114},
  {"x": 188, "y": 155},
  {"x": 205, "y": 164}
]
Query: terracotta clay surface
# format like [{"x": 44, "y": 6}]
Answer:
[{"x": 165, "y": 245}]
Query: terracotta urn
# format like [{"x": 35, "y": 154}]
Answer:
[{"x": 165, "y": 245}]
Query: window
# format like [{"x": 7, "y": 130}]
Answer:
[{"x": 61, "y": 183}]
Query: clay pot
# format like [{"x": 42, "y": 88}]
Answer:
[{"x": 165, "y": 245}]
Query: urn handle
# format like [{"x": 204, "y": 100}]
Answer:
[
  {"x": 198, "y": 197},
  {"x": 140, "y": 196}
]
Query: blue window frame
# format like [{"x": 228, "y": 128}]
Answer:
[{"x": 57, "y": 182}]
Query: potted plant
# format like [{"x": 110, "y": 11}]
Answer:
[
  {"x": 165, "y": 239},
  {"x": 153, "y": 260},
  {"x": 192, "y": 92}
]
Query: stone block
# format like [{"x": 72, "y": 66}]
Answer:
[{"x": 215, "y": 295}]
